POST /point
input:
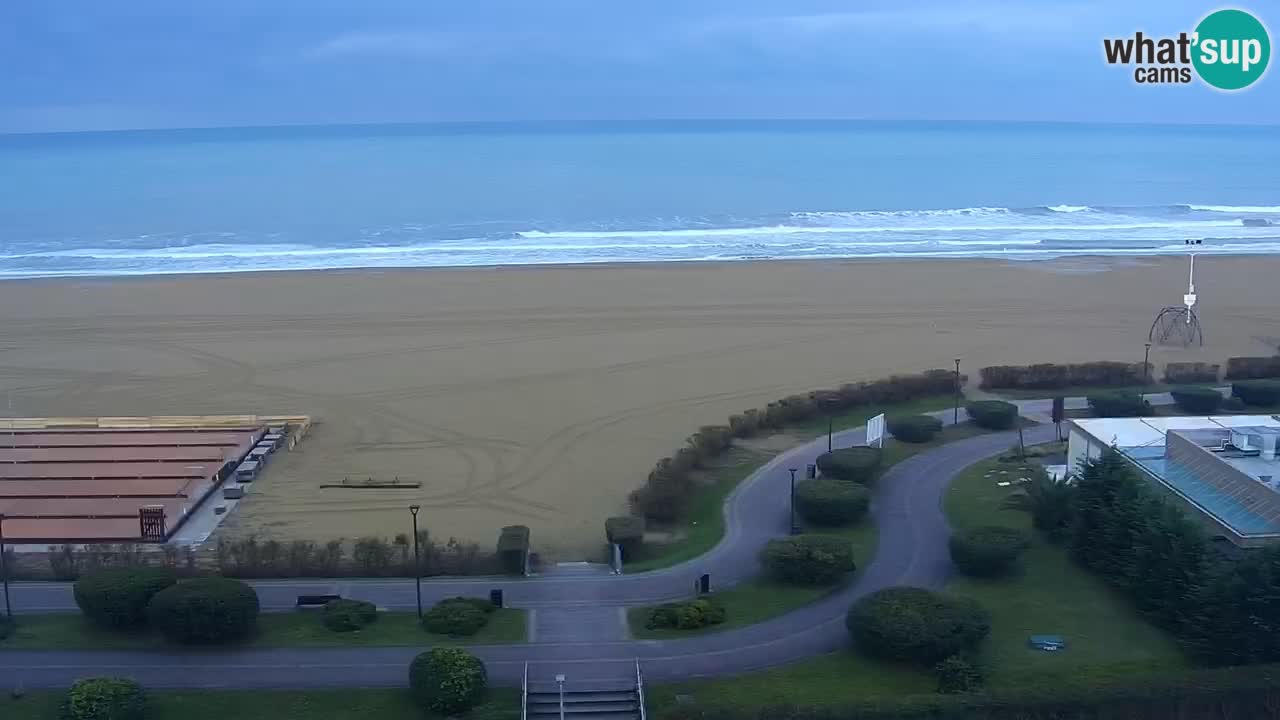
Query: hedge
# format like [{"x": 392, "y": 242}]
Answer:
[
  {"x": 1257, "y": 393},
  {"x": 513, "y": 549},
  {"x": 855, "y": 464},
  {"x": 1050, "y": 376},
  {"x": 913, "y": 428},
  {"x": 455, "y": 618},
  {"x": 1119, "y": 404},
  {"x": 988, "y": 550},
  {"x": 117, "y": 597},
  {"x": 7, "y": 626},
  {"x": 447, "y": 681},
  {"x": 689, "y": 615},
  {"x": 992, "y": 414},
  {"x": 1197, "y": 400},
  {"x": 205, "y": 611},
  {"x": 104, "y": 698},
  {"x": 830, "y": 502},
  {"x": 626, "y": 531},
  {"x": 348, "y": 615},
  {"x": 1176, "y": 373},
  {"x": 1248, "y": 368},
  {"x": 808, "y": 559},
  {"x": 916, "y": 625}
]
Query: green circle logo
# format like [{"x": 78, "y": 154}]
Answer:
[{"x": 1231, "y": 49}]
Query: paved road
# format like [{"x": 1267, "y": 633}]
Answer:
[{"x": 912, "y": 551}]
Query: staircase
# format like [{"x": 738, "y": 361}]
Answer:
[{"x": 584, "y": 699}]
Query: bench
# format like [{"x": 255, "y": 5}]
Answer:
[{"x": 305, "y": 601}]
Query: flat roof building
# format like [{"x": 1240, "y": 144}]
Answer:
[{"x": 1223, "y": 467}]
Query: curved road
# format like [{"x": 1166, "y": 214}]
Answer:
[{"x": 912, "y": 551}]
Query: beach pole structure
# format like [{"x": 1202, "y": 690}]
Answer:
[
  {"x": 4, "y": 572},
  {"x": 417, "y": 563},
  {"x": 955, "y": 413},
  {"x": 1179, "y": 324},
  {"x": 794, "y": 529}
]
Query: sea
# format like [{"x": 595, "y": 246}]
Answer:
[{"x": 453, "y": 195}]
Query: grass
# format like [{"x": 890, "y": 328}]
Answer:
[
  {"x": 1106, "y": 639},
  {"x": 1083, "y": 390},
  {"x": 347, "y": 704},
  {"x": 292, "y": 629}
]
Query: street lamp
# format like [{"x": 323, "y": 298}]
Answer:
[
  {"x": 417, "y": 564},
  {"x": 560, "y": 684},
  {"x": 1146, "y": 366},
  {"x": 793, "y": 501},
  {"x": 4, "y": 572},
  {"x": 955, "y": 416}
]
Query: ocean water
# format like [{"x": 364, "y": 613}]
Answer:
[{"x": 148, "y": 202}]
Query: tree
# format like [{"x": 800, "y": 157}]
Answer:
[
  {"x": 1237, "y": 614},
  {"x": 205, "y": 611},
  {"x": 1050, "y": 503},
  {"x": 447, "y": 681},
  {"x": 1170, "y": 566},
  {"x": 1096, "y": 487},
  {"x": 117, "y": 597}
]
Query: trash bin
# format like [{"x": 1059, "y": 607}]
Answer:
[
  {"x": 495, "y": 597},
  {"x": 811, "y": 471}
]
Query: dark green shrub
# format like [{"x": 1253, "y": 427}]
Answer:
[
  {"x": 992, "y": 414},
  {"x": 1234, "y": 404},
  {"x": 117, "y": 597},
  {"x": 513, "y": 548},
  {"x": 455, "y": 619},
  {"x": 7, "y": 626},
  {"x": 1257, "y": 393},
  {"x": 484, "y": 605},
  {"x": 1119, "y": 404},
  {"x": 1176, "y": 373},
  {"x": 988, "y": 550},
  {"x": 447, "y": 681},
  {"x": 856, "y": 464},
  {"x": 105, "y": 698},
  {"x": 689, "y": 615},
  {"x": 1050, "y": 376},
  {"x": 829, "y": 502},
  {"x": 1197, "y": 400},
  {"x": 1050, "y": 503},
  {"x": 916, "y": 625},
  {"x": 205, "y": 611},
  {"x": 808, "y": 559},
  {"x": 958, "y": 675},
  {"x": 913, "y": 428},
  {"x": 627, "y": 531},
  {"x": 1247, "y": 368},
  {"x": 348, "y": 615}
]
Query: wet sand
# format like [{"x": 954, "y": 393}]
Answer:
[{"x": 542, "y": 396}]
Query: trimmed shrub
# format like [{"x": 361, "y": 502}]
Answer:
[
  {"x": 1247, "y": 368},
  {"x": 958, "y": 675},
  {"x": 104, "y": 698},
  {"x": 7, "y": 626},
  {"x": 1257, "y": 393},
  {"x": 808, "y": 559},
  {"x": 916, "y": 625},
  {"x": 825, "y": 501},
  {"x": 856, "y": 464},
  {"x": 205, "y": 611},
  {"x": 1050, "y": 376},
  {"x": 1119, "y": 404},
  {"x": 484, "y": 605},
  {"x": 455, "y": 619},
  {"x": 1197, "y": 400},
  {"x": 348, "y": 615},
  {"x": 989, "y": 550},
  {"x": 447, "y": 681},
  {"x": 626, "y": 531},
  {"x": 913, "y": 428},
  {"x": 1234, "y": 404},
  {"x": 1176, "y": 373},
  {"x": 513, "y": 548},
  {"x": 117, "y": 597},
  {"x": 992, "y": 414},
  {"x": 689, "y": 615}
]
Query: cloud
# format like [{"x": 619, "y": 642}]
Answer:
[{"x": 403, "y": 44}]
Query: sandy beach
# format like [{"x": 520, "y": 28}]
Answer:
[{"x": 541, "y": 396}]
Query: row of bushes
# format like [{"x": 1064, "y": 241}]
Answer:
[
  {"x": 1249, "y": 368},
  {"x": 197, "y": 611},
  {"x": 1194, "y": 400},
  {"x": 1051, "y": 376},
  {"x": 687, "y": 615}
]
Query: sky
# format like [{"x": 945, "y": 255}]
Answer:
[{"x": 69, "y": 65}]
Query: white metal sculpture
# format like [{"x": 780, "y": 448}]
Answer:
[{"x": 1179, "y": 324}]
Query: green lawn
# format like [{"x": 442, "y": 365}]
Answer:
[
  {"x": 352, "y": 704},
  {"x": 1105, "y": 637},
  {"x": 291, "y": 629}
]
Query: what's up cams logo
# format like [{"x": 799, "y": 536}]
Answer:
[{"x": 1229, "y": 50}]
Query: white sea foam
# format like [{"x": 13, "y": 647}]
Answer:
[
  {"x": 1237, "y": 208},
  {"x": 1070, "y": 208}
]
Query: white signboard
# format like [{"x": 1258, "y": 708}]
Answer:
[{"x": 875, "y": 431}]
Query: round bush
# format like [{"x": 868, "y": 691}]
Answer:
[
  {"x": 456, "y": 619},
  {"x": 857, "y": 464},
  {"x": 205, "y": 611},
  {"x": 106, "y": 698},
  {"x": 1234, "y": 404},
  {"x": 348, "y": 615},
  {"x": 916, "y": 625},
  {"x": 7, "y": 626},
  {"x": 992, "y": 414},
  {"x": 1119, "y": 404},
  {"x": 1197, "y": 400},
  {"x": 913, "y": 428},
  {"x": 447, "y": 680},
  {"x": 1257, "y": 393},
  {"x": 988, "y": 551},
  {"x": 808, "y": 559},
  {"x": 831, "y": 502},
  {"x": 118, "y": 597},
  {"x": 688, "y": 615}
]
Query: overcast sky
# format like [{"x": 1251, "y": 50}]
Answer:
[{"x": 110, "y": 64}]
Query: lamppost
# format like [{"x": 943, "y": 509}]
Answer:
[
  {"x": 1146, "y": 366},
  {"x": 955, "y": 414},
  {"x": 560, "y": 684},
  {"x": 830, "y": 418},
  {"x": 4, "y": 572},
  {"x": 793, "y": 501},
  {"x": 417, "y": 563}
]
